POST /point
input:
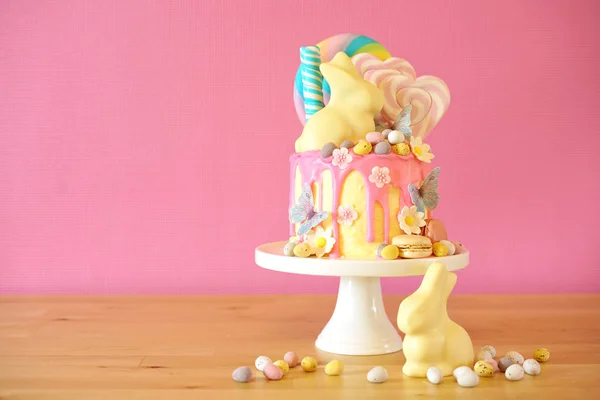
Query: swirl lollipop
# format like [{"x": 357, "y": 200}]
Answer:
[{"x": 350, "y": 44}]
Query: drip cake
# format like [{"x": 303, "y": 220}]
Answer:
[{"x": 362, "y": 184}]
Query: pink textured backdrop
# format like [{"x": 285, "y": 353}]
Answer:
[{"x": 144, "y": 145}]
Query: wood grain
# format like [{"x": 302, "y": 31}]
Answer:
[{"x": 186, "y": 347}]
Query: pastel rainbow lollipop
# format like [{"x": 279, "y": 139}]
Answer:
[
  {"x": 312, "y": 80},
  {"x": 349, "y": 43}
]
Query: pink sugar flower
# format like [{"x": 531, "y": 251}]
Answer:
[
  {"x": 380, "y": 176},
  {"x": 341, "y": 158},
  {"x": 346, "y": 215}
]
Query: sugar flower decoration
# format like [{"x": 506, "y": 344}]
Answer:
[
  {"x": 346, "y": 215},
  {"x": 380, "y": 176},
  {"x": 321, "y": 241},
  {"x": 421, "y": 150},
  {"x": 341, "y": 158},
  {"x": 411, "y": 220}
]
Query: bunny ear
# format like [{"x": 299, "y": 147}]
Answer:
[{"x": 435, "y": 278}]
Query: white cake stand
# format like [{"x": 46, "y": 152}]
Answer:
[{"x": 359, "y": 324}]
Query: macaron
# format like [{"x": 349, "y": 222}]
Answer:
[
  {"x": 435, "y": 230},
  {"x": 413, "y": 246}
]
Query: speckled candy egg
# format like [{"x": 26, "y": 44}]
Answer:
[
  {"x": 401, "y": 149},
  {"x": 261, "y": 362},
  {"x": 347, "y": 144},
  {"x": 487, "y": 347},
  {"x": 435, "y": 375},
  {"x": 532, "y": 367},
  {"x": 541, "y": 355},
  {"x": 461, "y": 370},
  {"x": 440, "y": 249},
  {"x": 451, "y": 251},
  {"x": 515, "y": 356},
  {"x": 385, "y": 133},
  {"x": 468, "y": 379},
  {"x": 327, "y": 149},
  {"x": 396, "y": 137},
  {"x": 380, "y": 249},
  {"x": 483, "y": 355},
  {"x": 288, "y": 249},
  {"x": 283, "y": 366},
  {"x": 291, "y": 358},
  {"x": 302, "y": 250},
  {"x": 383, "y": 148},
  {"x": 504, "y": 363},
  {"x": 309, "y": 364},
  {"x": 334, "y": 368},
  {"x": 514, "y": 373},
  {"x": 377, "y": 375},
  {"x": 374, "y": 137},
  {"x": 272, "y": 372},
  {"x": 242, "y": 374},
  {"x": 494, "y": 364},
  {"x": 362, "y": 148},
  {"x": 483, "y": 368},
  {"x": 390, "y": 252}
]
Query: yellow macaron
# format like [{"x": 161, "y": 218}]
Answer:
[{"x": 413, "y": 246}]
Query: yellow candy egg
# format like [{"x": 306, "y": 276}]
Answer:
[
  {"x": 483, "y": 368},
  {"x": 401, "y": 149},
  {"x": 302, "y": 250},
  {"x": 283, "y": 366},
  {"x": 440, "y": 249},
  {"x": 390, "y": 252},
  {"x": 309, "y": 364},
  {"x": 363, "y": 147},
  {"x": 334, "y": 368},
  {"x": 541, "y": 355}
]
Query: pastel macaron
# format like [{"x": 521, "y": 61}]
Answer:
[{"x": 413, "y": 246}]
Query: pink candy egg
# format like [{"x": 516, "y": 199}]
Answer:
[
  {"x": 272, "y": 372},
  {"x": 291, "y": 358},
  {"x": 374, "y": 137},
  {"x": 494, "y": 364}
]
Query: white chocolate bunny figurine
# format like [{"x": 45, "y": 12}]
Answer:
[
  {"x": 351, "y": 110},
  {"x": 432, "y": 339}
]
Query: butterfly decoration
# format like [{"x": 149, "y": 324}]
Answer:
[
  {"x": 402, "y": 123},
  {"x": 426, "y": 195},
  {"x": 304, "y": 212}
]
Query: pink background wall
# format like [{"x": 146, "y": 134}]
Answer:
[{"x": 144, "y": 145}]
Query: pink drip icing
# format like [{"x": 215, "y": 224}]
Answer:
[{"x": 403, "y": 170}]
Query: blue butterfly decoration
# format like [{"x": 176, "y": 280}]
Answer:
[
  {"x": 402, "y": 123},
  {"x": 426, "y": 195},
  {"x": 304, "y": 212}
]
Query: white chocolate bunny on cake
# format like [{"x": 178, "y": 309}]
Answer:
[
  {"x": 432, "y": 338},
  {"x": 350, "y": 113}
]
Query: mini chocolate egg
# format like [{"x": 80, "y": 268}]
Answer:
[
  {"x": 380, "y": 248},
  {"x": 390, "y": 252},
  {"x": 440, "y": 249},
  {"x": 483, "y": 355},
  {"x": 328, "y": 149},
  {"x": 261, "y": 362},
  {"x": 272, "y": 372},
  {"x": 302, "y": 250},
  {"x": 461, "y": 371},
  {"x": 242, "y": 374},
  {"x": 395, "y": 137},
  {"x": 459, "y": 247},
  {"x": 383, "y": 148},
  {"x": 347, "y": 144},
  {"x": 283, "y": 366},
  {"x": 487, "y": 347},
  {"x": 435, "y": 375},
  {"x": 532, "y": 367},
  {"x": 291, "y": 358},
  {"x": 334, "y": 368},
  {"x": 515, "y": 356},
  {"x": 504, "y": 363},
  {"x": 402, "y": 149},
  {"x": 483, "y": 368},
  {"x": 541, "y": 355},
  {"x": 362, "y": 148},
  {"x": 468, "y": 379},
  {"x": 288, "y": 249},
  {"x": 374, "y": 137},
  {"x": 377, "y": 375},
  {"x": 385, "y": 133},
  {"x": 494, "y": 364},
  {"x": 309, "y": 364},
  {"x": 451, "y": 251},
  {"x": 514, "y": 373},
  {"x": 435, "y": 230}
]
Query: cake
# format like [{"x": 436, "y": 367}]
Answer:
[{"x": 361, "y": 172}]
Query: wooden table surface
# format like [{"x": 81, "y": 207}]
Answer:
[{"x": 186, "y": 347}]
